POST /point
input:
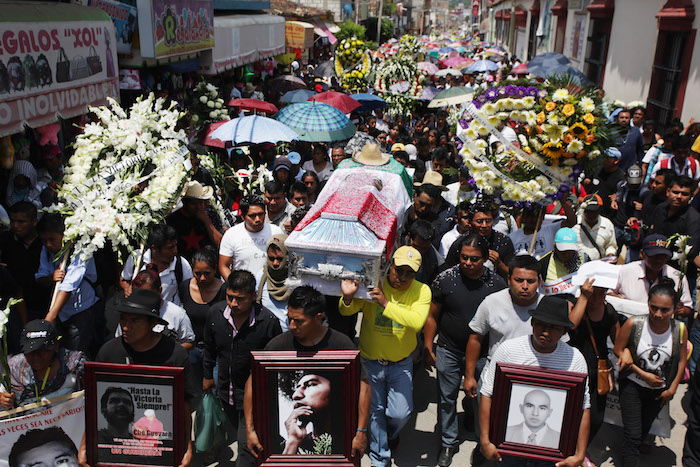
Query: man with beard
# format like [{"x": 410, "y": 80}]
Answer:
[{"x": 117, "y": 407}]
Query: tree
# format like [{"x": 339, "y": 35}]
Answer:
[
  {"x": 389, "y": 9},
  {"x": 387, "y": 29},
  {"x": 349, "y": 29}
]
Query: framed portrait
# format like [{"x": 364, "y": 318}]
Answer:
[
  {"x": 134, "y": 414},
  {"x": 536, "y": 412},
  {"x": 305, "y": 407}
]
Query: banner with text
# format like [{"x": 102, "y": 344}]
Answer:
[
  {"x": 54, "y": 69},
  {"x": 61, "y": 424},
  {"x": 124, "y": 19}
]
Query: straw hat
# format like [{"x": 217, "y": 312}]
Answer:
[
  {"x": 370, "y": 155},
  {"x": 194, "y": 189},
  {"x": 432, "y": 178}
]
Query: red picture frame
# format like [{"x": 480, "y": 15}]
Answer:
[
  {"x": 156, "y": 388},
  {"x": 570, "y": 387},
  {"x": 270, "y": 369}
]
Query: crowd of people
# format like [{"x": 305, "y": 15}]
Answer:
[{"x": 469, "y": 286}]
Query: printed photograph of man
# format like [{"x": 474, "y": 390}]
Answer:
[
  {"x": 148, "y": 426},
  {"x": 117, "y": 408},
  {"x": 535, "y": 409},
  {"x": 308, "y": 426},
  {"x": 44, "y": 448}
]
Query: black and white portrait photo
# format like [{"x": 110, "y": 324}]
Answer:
[
  {"x": 535, "y": 415},
  {"x": 37, "y": 447},
  {"x": 307, "y": 404}
]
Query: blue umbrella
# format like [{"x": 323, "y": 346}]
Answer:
[
  {"x": 543, "y": 63},
  {"x": 446, "y": 50},
  {"x": 369, "y": 102},
  {"x": 481, "y": 66},
  {"x": 253, "y": 129},
  {"x": 575, "y": 74},
  {"x": 300, "y": 95},
  {"x": 317, "y": 122}
]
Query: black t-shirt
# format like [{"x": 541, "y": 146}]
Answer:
[
  {"x": 606, "y": 186},
  {"x": 459, "y": 298},
  {"x": 166, "y": 352},
  {"x": 23, "y": 263},
  {"x": 499, "y": 242},
  {"x": 9, "y": 288},
  {"x": 197, "y": 312},
  {"x": 333, "y": 340},
  {"x": 191, "y": 233}
]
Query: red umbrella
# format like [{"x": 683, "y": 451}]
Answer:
[
  {"x": 340, "y": 101},
  {"x": 520, "y": 69},
  {"x": 255, "y": 105},
  {"x": 216, "y": 143}
]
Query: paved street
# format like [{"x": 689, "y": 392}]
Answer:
[{"x": 420, "y": 441}]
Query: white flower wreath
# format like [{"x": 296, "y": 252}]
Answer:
[{"x": 127, "y": 171}]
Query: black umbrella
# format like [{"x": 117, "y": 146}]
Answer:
[
  {"x": 542, "y": 64},
  {"x": 325, "y": 69}
]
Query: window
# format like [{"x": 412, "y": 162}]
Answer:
[
  {"x": 532, "y": 38},
  {"x": 667, "y": 75},
  {"x": 597, "y": 50}
]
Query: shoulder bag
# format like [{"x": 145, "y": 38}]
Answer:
[{"x": 606, "y": 382}]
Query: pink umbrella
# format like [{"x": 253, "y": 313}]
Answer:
[
  {"x": 209, "y": 141},
  {"x": 428, "y": 67},
  {"x": 456, "y": 62},
  {"x": 520, "y": 69}
]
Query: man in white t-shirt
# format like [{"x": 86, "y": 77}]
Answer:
[
  {"x": 243, "y": 246},
  {"x": 544, "y": 349},
  {"x": 544, "y": 239},
  {"x": 172, "y": 268}
]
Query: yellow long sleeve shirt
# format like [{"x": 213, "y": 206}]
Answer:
[{"x": 390, "y": 333}]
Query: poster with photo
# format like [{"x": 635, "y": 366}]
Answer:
[
  {"x": 134, "y": 416},
  {"x": 124, "y": 18}
]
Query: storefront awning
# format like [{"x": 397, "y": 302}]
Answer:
[
  {"x": 60, "y": 59},
  {"x": 321, "y": 29},
  {"x": 243, "y": 39},
  {"x": 299, "y": 35}
]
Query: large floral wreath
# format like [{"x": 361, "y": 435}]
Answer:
[
  {"x": 353, "y": 64},
  {"x": 127, "y": 171},
  {"x": 560, "y": 132},
  {"x": 207, "y": 106},
  {"x": 398, "y": 79}
]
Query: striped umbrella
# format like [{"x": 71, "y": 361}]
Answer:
[{"x": 317, "y": 122}]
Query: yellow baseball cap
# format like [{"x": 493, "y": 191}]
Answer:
[
  {"x": 407, "y": 256},
  {"x": 398, "y": 147}
]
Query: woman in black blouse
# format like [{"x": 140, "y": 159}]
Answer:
[{"x": 198, "y": 294}]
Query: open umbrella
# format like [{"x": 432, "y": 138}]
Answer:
[
  {"x": 446, "y": 50},
  {"x": 359, "y": 140},
  {"x": 448, "y": 71},
  {"x": 286, "y": 83},
  {"x": 340, "y": 101},
  {"x": 520, "y": 69},
  {"x": 253, "y": 129},
  {"x": 213, "y": 142},
  {"x": 369, "y": 102},
  {"x": 300, "y": 95},
  {"x": 429, "y": 93},
  {"x": 455, "y": 62},
  {"x": 481, "y": 66},
  {"x": 254, "y": 105},
  {"x": 317, "y": 122},
  {"x": 574, "y": 74},
  {"x": 541, "y": 64},
  {"x": 453, "y": 96},
  {"x": 428, "y": 67},
  {"x": 324, "y": 69}
]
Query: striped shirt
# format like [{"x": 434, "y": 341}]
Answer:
[{"x": 520, "y": 351}]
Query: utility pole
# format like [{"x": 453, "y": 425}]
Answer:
[{"x": 379, "y": 22}]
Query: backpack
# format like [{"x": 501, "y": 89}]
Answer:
[
  {"x": 44, "y": 68},
  {"x": 15, "y": 73},
  {"x": 4, "y": 79},
  {"x": 666, "y": 164},
  {"x": 31, "y": 72}
]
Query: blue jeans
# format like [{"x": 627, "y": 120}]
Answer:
[
  {"x": 450, "y": 368},
  {"x": 78, "y": 332},
  {"x": 694, "y": 337},
  {"x": 391, "y": 407}
]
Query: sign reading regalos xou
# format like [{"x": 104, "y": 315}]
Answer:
[
  {"x": 52, "y": 69},
  {"x": 175, "y": 27}
]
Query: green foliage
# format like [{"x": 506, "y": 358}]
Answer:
[
  {"x": 350, "y": 29},
  {"x": 389, "y": 9},
  {"x": 386, "y": 33}
]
